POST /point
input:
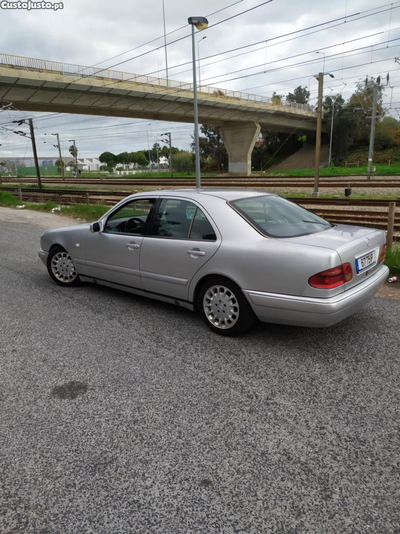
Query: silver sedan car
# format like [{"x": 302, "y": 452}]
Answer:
[{"x": 233, "y": 255}]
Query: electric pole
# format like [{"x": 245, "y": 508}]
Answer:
[
  {"x": 35, "y": 156},
  {"x": 319, "y": 129},
  {"x": 170, "y": 152},
  {"x": 331, "y": 138},
  {"x": 372, "y": 134},
  {"x": 75, "y": 154},
  {"x": 59, "y": 152}
]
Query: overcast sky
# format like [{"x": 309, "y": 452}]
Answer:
[{"x": 91, "y": 32}]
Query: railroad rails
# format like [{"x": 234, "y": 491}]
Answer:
[
  {"x": 334, "y": 210},
  {"x": 253, "y": 182}
]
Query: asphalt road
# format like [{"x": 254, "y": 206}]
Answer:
[{"x": 124, "y": 415}]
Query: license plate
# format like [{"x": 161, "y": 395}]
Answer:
[{"x": 365, "y": 261}]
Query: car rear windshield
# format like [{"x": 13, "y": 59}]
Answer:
[{"x": 274, "y": 216}]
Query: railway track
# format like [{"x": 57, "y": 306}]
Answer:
[
  {"x": 220, "y": 182},
  {"x": 345, "y": 212}
]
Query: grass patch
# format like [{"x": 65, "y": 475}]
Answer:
[
  {"x": 393, "y": 260},
  {"x": 8, "y": 200},
  {"x": 89, "y": 212},
  {"x": 381, "y": 170}
]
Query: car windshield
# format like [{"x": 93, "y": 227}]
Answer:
[{"x": 276, "y": 217}]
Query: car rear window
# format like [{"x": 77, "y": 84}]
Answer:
[{"x": 274, "y": 216}]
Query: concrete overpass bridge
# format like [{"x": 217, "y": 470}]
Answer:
[{"x": 48, "y": 86}]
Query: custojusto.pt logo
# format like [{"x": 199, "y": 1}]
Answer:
[{"x": 29, "y": 5}]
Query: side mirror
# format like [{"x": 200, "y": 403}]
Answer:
[{"x": 95, "y": 227}]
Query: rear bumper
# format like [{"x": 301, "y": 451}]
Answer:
[
  {"x": 315, "y": 312},
  {"x": 43, "y": 256}
]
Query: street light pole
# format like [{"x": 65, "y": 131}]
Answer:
[
  {"x": 201, "y": 23},
  {"x": 165, "y": 42},
  {"x": 198, "y": 53},
  {"x": 319, "y": 129}
]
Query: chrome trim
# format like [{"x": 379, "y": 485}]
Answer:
[
  {"x": 165, "y": 278},
  {"x": 114, "y": 268}
]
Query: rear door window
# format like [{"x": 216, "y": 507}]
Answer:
[{"x": 276, "y": 217}]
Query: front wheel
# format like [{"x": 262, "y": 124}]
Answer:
[
  {"x": 224, "y": 308},
  {"x": 61, "y": 268}
]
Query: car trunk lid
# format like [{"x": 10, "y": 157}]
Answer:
[{"x": 355, "y": 245}]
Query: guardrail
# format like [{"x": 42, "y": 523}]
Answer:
[
  {"x": 79, "y": 71},
  {"x": 388, "y": 220}
]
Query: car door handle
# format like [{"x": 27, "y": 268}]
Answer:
[
  {"x": 131, "y": 246},
  {"x": 196, "y": 252}
]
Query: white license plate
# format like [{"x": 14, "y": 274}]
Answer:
[{"x": 365, "y": 261}]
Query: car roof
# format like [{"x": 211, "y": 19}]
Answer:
[{"x": 225, "y": 194}]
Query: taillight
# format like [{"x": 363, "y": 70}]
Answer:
[
  {"x": 382, "y": 254},
  {"x": 335, "y": 277}
]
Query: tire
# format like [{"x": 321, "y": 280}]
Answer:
[
  {"x": 61, "y": 268},
  {"x": 224, "y": 308}
]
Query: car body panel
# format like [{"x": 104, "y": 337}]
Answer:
[
  {"x": 167, "y": 266},
  {"x": 114, "y": 258},
  {"x": 273, "y": 273}
]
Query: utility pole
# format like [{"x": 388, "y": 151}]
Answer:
[
  {"x": 330, "y": 139},
  {"x": 319, "y": 129},
  {"x": 170, "y": 152},
  {"x": 35, "y": 156},
  {"x": 372, "y": 134},
  {"x": 76, "y": 156},
  {"x": 59, "y": 152},
  {"x": 158, "y": 160}
]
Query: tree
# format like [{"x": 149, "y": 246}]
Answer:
[
  {"x": 183, "y": 161},
  {"x": 108, "y": 158},
  {"x": 360, "y": 103},
  {"x": 124, "y": 158},
  {"x": 345, "y": 128},
  {"x": 212, "y": 146},
  {"x": 73, "y": 151},
  {"x": 139, "y": 158},
  {"x": 276, "y": 99},
  {"x": 60, "y": 166},
  {"x": 300, "y": 95}
]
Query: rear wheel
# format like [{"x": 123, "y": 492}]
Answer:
[
  {"x": 224, "y": 308},
  {"x": 61, "y": 268}
]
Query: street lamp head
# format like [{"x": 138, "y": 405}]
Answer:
[{"x": 201, "y": 23}]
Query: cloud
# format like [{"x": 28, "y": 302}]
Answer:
[{"x": 87, "y": 32}]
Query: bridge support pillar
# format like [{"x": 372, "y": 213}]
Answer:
[{"x": 239, "y": 139}]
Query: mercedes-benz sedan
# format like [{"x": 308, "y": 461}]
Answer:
[{"x": 235, "y": 256}]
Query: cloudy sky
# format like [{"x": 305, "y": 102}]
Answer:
[{"x": 358, "y": 38}]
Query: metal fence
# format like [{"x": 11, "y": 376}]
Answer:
[{"x": 79, "y": 71}]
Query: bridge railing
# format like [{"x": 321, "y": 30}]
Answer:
[{"x": 78, "y": 71}]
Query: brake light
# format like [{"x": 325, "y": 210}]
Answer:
[
  {"x": 382, "y": 254},
  {"x": 335, "y": 277}
]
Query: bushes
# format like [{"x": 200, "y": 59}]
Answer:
[{"x": 380, "y": 156}]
